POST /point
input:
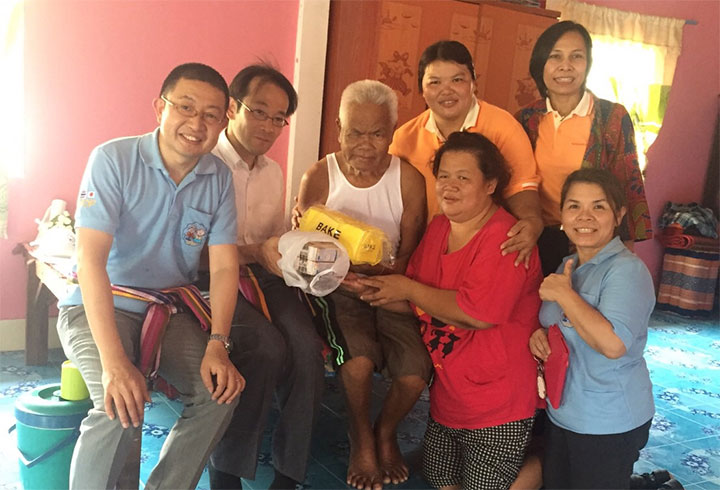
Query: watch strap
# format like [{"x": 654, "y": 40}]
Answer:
[{"x": 227, "y": 343}]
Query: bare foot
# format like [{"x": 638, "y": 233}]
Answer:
[
  {"x": 363, "y": 471},
  {"x": 392, "y": 466}
]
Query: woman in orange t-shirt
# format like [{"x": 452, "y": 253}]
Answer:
[{"x": 446, "y": 79}]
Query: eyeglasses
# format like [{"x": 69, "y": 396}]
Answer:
[
  {"x": 261, "y": 115},
  {"x": 210, "y": 118}
]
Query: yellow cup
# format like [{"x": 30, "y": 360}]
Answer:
[{"x": 72, "y": 386}]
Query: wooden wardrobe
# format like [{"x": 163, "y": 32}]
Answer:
[{"x": 383, "y": 40}]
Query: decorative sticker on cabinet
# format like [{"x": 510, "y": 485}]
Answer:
[
  {"x": 463, "y": 28},
  {"x": 482, "y": 54},
  {"x": 398, "y": 48},
  {"x": 524, "y": 91}
]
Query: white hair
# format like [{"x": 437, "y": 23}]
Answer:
[{"x": 368, "y": 92}]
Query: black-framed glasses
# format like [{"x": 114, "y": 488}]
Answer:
[
  {"x": 261, "y": 115},
  {"x": 187, "y": 110}
]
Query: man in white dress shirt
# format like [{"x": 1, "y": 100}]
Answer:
[{"x": 281, "y": 356}]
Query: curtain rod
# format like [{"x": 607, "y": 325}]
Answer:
[{"x": 691, "y": 22}]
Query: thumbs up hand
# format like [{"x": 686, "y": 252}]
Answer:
[{"x": 556, "y": 286}]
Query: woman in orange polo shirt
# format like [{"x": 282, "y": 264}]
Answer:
[
  {"x": 446, "y": 79},
  {"x": 571, "y": 128}
]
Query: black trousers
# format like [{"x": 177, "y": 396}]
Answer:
[
  {"x": 575, "y": 460},
  {"x": 284, "y": 359},
  {"x": 553, "y": 246}
]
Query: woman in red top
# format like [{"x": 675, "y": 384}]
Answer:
[{"x": 478, "y": 311}]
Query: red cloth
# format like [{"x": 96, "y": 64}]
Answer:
[
  {"x": 162, "y": 304},
  {"x": 483, "y": 378},
  {"x": 556, "y": 366},
  {"x": 678, "y": 241},
  {"x": 674, "y": 236}
]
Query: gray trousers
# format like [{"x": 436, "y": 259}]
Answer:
[
  {"x": 284, "y": 357},
  {"x": 103, "y": 445}
]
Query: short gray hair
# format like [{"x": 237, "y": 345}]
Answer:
[{"x": 368, "y": 92}]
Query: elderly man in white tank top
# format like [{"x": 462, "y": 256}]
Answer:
[{"x": 365, "y": 182}]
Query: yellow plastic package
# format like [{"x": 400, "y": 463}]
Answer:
[{"x": 365, "y": 244}]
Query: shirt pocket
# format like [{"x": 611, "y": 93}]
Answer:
[
  {"x": 592, "y": 299},
  {"x": 485, "y": 361},
  {"x": 194, "y": 230}
]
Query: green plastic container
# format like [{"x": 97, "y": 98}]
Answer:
[{"x": 47, "y": 428}]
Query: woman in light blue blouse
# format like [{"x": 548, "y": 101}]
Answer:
[{"x": 601, "y": 298}]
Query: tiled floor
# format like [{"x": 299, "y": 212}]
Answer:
[{"x": 683, "y": 356}]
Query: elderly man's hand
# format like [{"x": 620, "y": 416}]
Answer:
[
  {"x": 295, "y": 215},
  {"x": 352, "y": 284},
  {"x": 523, "y": 237}
]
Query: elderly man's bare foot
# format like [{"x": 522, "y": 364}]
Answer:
[
  {"x": 392, "y": 466},
  {"x": 363, "y": 471}
]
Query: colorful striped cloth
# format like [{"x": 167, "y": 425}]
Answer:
[
  {"x": 689, "y": 281},
  {"x": 251, "y": 291},
  {"x": 162, "y": 303}
]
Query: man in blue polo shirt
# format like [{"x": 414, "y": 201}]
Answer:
[{"x": 147, "y": 205}]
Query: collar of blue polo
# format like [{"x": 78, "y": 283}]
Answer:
[{"x": 613, "y": 247}]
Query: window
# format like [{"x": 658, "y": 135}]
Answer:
[
  {"x": 12, "y": 123},
  {"x": 626, "y": 72},
  {"x": 11, "y": 84}
]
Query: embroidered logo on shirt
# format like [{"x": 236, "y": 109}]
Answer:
[
  {"x": 194, "y": 234},
  {"x": 87, "y": 198},
  {"x": 565, "y": 322}
]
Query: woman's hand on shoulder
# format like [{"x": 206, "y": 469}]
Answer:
[
  {"x": 556, "y": 286},
  {"x": 522, "y": 239}
]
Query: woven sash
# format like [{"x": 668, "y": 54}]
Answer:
[{"x": 162, "y": 303}]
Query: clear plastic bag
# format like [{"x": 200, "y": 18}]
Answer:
[{"x": 312, "y": 261}]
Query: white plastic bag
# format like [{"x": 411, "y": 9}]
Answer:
[
  {"x": 312, "y": 261},
  {"x": 56, "y": 236}
]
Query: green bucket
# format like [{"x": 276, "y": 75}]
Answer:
[{"x": 47, "y": 428}]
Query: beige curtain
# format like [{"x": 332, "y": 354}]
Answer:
[
  {"x": 634, "y": 58},
  {"x": 11, "y": 84}
]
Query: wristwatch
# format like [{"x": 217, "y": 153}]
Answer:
[{"x": 226, "y": 341}]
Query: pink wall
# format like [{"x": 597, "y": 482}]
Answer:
[
  {"x": 678, "y": 159},
  {"x": 92, "y": 69}
]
